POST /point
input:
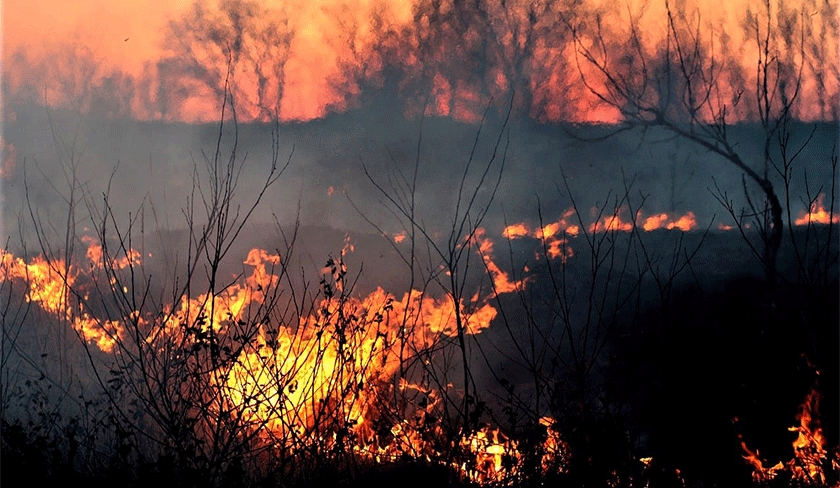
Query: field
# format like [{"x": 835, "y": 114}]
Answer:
[{"x": 372, "y": 301}]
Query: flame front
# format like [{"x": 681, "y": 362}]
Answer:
[
  {"x": 810, "y": 459},
  {"x": 817, "y": 214},
  {"x": 317, "y": 383},
  {"x": 50, "y": 285}
]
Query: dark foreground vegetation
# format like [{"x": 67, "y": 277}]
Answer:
[
  {"x": 595, "y": 344},
  {"x": 686, "y": 373}
]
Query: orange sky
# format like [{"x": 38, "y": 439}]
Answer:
[
  {"x": 102, "y": 24},
  {"x": 106, "y": 24},
  {"x": 125, "y": 34}
]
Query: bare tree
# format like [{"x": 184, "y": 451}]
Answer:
[
  {"x": 241, "y": 37},
  {"x": 448, "y": 261},
  {"x": 453, "y": 56},
  {"x": 693, "y": 86}
]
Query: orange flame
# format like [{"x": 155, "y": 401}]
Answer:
[
  {"x": 501, "y": 280},
  {"x": 50, "y": 285},
  {"x": 817, "y": 214},
  {"x": 302, "y": 383},
  {"x": 807, "y": 466},
  {"x": 685, "y": 223}
]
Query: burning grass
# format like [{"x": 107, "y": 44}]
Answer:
[
  {"x": 811, "y": 464},
  {"x": 349, "y": 378},
  {"x": 322, "y": 383},
  {"x": 225, "y": 365}
]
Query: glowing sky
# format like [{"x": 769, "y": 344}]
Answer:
[
  {"x": 124, "y": 35},
  {"x": 131, "y": 32}
]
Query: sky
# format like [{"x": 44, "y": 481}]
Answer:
[{"x": 126, "y": 35}]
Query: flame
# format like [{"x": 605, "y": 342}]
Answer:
[
  {"x": 555, "y": 234},
  {"x": 94, "y": 254},
  {"x": 555, "y": 247},
  {"x": 559, "y": 248},
  {"x": 515, "y": 231},
  {"x": 50, "y": 285},
  {"x": 610, "y": 223},
  {"x": 685, "y": 223},
  {"x": 817, "y": 214},
  {"x": 810, "y": 459},
  {"x": 400, "y": 236},
  {"x": 318, "y": 381},
  {"x": 501, "y": 280},
  {"x": 213, "y": 311},
  {"x": 496, "y": 459},
  {"x": 495, "y": 456}
]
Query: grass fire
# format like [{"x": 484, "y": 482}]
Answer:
[{"x": 429, "y": 243}]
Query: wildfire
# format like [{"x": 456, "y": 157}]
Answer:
[
  {"x": 212, "y": 311},
  {"x": 319, "y": 381},
  {"x": 562, "y": 226},
  {"x": 50, "y": 286},
  {"x": 350, "y": 341},
  {"x": 555, "y": 235},
  {"x": 610, "y": 223},
  {"x": 300, "y": 60},
  {"x": 810, "y": 459},
  {"x": 501, "y": 280},
  {"x": 495, "y": 456},
  {"x": 94, "y": 255},
  {"x": 400, "y": 236},
  {"x": 614, "y": 222},
  {"x": 684, "y": 223},
  {"x": 817, "y": 214}
]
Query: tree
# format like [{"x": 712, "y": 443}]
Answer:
[
  {"x": 694, "y": 87},
  {"x": 448, "y": 259},
  {"x": 241, "y": 37},
  {"x": 453, "y": 56}
]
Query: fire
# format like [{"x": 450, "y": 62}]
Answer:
[
  {"x": 610, "y": 223},
  {"x": 320, "y": 381},
  {"x": 810, "y": 460},
  {"x": 212, "y": 311},
  {"x": 515, "y": 231},
  {"x": 495, "y": 456},
  {"x": 497, "y": 459},
  {"x": 685, "y": 223},
  {"x": 555, "y": 246},
  {"x": 309, "y": 382},
  {"x": 501, "y": 280},
  {"x": 555, "y": 235},
  {"x": 817, "y": 214},
  {"x": 94, "y": 255},
  {"x": 562, "y": 226},
  {"x": 400, "y": 236},
  {"x": 50, "y": 286},
  {"x": 558, "y": 248}
]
